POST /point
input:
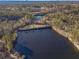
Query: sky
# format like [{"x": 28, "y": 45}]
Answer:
[{"x": 39, "y": 0}]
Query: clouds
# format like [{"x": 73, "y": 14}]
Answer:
[
  {"x": 53, "y": 0},
  {"x": 42, "y": 0},
  {"x": 12, "y": 0},
  {"x": 39, "y": 0}
]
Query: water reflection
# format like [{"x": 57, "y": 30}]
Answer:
[
  {"x": 24, "y": 50},
  {"x": 44, "y": 44}
]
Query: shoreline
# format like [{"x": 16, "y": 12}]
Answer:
[{"x": 67, "y": 35}]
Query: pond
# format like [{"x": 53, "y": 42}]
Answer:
[
  {"x": 44, "y": 44},
  {"x": 13, "y": 18},
  {"x": 39, "y": 16}
]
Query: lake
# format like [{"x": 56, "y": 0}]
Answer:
[{"x": 44, "y": 44}]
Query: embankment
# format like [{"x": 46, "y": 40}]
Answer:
[{"x": 68, "y": 35}]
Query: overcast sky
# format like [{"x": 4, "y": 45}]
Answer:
[{"x": 39, "y": 0}]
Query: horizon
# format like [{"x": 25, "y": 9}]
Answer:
[{"x": 37, "y": 0}]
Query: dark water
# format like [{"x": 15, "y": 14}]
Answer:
[
  {"x": 14, "y": 18},
  {"x": 44, "y": 44}
]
